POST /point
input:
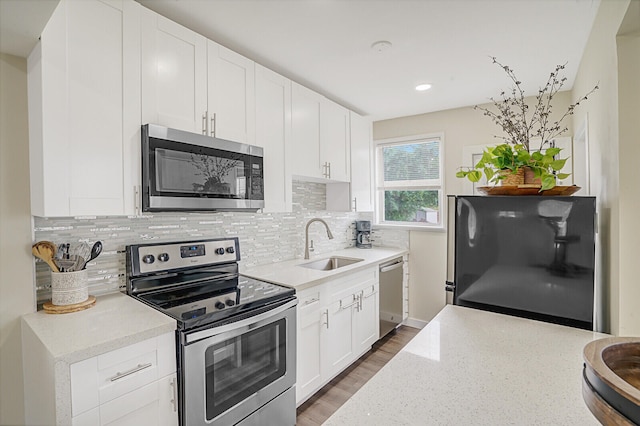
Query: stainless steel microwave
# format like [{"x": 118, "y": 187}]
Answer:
[{"x": 183, "y": 171}]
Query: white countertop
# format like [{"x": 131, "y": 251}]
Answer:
[
  {"x": 290, "y": 274},
  {"x": 115, "y": 321},
  {"x": 471, "y": 367}
]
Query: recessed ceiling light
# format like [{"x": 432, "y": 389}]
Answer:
[
  {"x": 381, "y": 46},
  {"x": 423, "y": 87}
]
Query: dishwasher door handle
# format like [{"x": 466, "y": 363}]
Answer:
[{"x": 392, "y": 267}]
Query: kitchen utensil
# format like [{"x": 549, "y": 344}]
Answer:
[
  {"x": 95, "y": 251},
  {"x": 83, "y": 251},
  {"x": 67, "y": 264},
  {"x": 46, "y": 251}
]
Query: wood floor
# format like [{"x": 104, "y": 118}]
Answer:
[{"x": 327, "y": 400}]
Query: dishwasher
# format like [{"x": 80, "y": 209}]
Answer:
[{"x": 391, "y": 277}]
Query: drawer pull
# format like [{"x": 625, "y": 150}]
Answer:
[
  {"x": 140, "y": 367},
  {"x": 354, "y": 302},
  {"x": 310, "y": 301}
]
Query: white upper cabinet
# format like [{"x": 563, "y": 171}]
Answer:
[
  {"x": 361, "y": 163},
  {"x": 174, "y": 75},
  {"x": 273, "y": 134},
  {"x": 320, "y": 136},
  {"x": 193, "y": 84},
  {"x": 84, "y": 109},
  {"x": 305, "y": 131},
  {"x": 231, "y": 95},
  {"x": 334, "y": 141}
]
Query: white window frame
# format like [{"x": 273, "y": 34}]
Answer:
[{"x": 430, "y": 184}]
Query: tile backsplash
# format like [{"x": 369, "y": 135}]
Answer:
[{"x": 264, "y": 237}]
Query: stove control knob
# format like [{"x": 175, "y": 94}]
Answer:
[
  {"x": 220, "y": 250},
  {"x": 149, "y": 259},
  {"x": 163, "y": 257},
  {"x": 220, "y": 305},
  {"x": 230, "y": 302},
  {"x": 230, "y": 250}
]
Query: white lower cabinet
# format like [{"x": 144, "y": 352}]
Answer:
[
  {"x": 134, "y": 385},
  {"x": 337, "y": 323},
  {"x": 310, "y": 322},
  {"x": 153, "y": 404}
]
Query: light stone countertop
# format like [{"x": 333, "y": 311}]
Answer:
[
  {"x": 290, "y": 274},
  {"x": 472, "y": 367},
  {"x": 115, "y": 321}
]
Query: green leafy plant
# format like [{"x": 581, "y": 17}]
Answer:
[
  {"x": 499, "y": 161},
  {"x": 521, "y": 124}
]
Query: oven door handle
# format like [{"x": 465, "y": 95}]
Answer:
[{"x": 199, "y": 335}]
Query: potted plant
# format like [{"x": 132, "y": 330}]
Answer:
[
  {"x": 522, "y": 125},
  {"x": 501, "y": 162}
]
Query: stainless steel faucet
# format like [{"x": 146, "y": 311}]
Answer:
[{"x": 306, "y": 234}]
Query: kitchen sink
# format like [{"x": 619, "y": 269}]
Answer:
[{"x": 331, "y": 263}]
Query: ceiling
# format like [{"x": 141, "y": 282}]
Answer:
[{"x": 326, "y": 44}]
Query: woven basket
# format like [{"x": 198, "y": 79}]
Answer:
[{"x": 512, "y": 179}]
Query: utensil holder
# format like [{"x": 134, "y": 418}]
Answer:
[{"x": 68, "y": 288}]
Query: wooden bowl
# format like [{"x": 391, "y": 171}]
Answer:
[{"x": 611, "y": 380}]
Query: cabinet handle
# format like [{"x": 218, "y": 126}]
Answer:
[
  {"x": 136, "y": 200},
  {"x": 329, "y": 168},
  {"x": 213, "y": 125},
  {"x": 174, "y": 391},
  {"x": 355, "y": 301},
  {"x": 204, "y": 123},
  {"x": 369, "y": 295},
  {"x": 310, "y": 301},
  {"x": 355, "y": 204},
  {"x": 140, "y": 367},
  {"x": 326, "y": 312}
]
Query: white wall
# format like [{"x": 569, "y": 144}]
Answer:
[
  {"x": 613, "y": 143},
  {"x": 461, "y": 127},
  {"x": 16, "y": 262},
  {"x": 629, "y": 121}
]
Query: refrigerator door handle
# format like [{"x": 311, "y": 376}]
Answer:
[{"x": 451, "y": 248}]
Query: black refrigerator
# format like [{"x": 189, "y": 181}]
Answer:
[{"x": 528, "y": 256}]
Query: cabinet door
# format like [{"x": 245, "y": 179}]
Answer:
[
  {"x": 305, "y": 132},
  {"x": 338, "y": 342},
  {"x": 334, "y": 141},
  {"x": 84, "y": 88},
  {"x": 361, "y": 163},
  {"x": 231, "y": 94},
  {"x": 273, "y": 133},
  {"x": 310, "y": 323},
  {"x": 174, "y": 75},
  {"x": 154, "y": 404},
  {"x": 366, "y": 323}
]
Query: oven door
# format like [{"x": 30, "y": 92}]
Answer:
[
  {"x": 232, "y": 370},
  {"x": 185, "y": 171}
]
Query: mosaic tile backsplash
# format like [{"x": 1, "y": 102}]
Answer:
[{"x": 264, "y": 237}]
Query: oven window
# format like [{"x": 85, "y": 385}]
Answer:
[{"x": 240, "y": 366}]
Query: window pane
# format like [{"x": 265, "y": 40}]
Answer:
[
  {"x": 412, "y": 206},
  {"x": 415, "y": 161}
]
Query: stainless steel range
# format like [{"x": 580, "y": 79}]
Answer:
[{"x": 236, "y": 338}]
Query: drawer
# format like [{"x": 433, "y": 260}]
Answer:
[
  {"x": 308, "y": 300},
  {"x": 105, "y": 377},
  {"x": 344, "y": 286}
]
